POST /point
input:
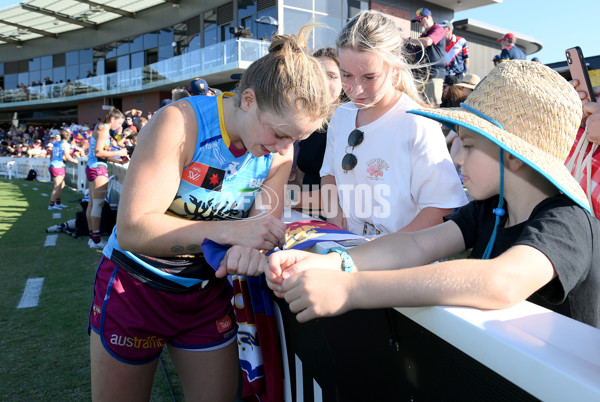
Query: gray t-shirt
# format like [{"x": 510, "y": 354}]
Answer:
[{"x": 563, "y": 232}]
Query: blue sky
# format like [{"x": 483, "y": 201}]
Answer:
[{"x": 558, "y": 25}]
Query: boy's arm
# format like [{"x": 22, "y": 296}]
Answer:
[
  {"x": 485, "y": 284},
  {"x": 402, "y": 250}
]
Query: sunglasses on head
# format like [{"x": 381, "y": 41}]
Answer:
[{"x": 355, "y": 138}]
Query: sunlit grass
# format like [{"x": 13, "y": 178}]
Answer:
[{"x": 12, "y": 205}]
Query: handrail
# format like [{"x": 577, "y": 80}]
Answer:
[{"x": 219, "y": 57}]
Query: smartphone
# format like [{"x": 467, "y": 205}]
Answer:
[{"x": 579, "y": 71}]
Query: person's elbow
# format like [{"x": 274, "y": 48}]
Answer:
[
  {"x": 127, "y": 228},
  {"x": 502, "y": 290}
]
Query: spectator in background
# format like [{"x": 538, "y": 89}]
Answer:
[
  {"x": 198, "y": 86},
  {"x": 468, "y": 84},
  {"x": 167, "y": 101},
  {"x": 311, "y": 151},
  {"x": 433, "y": 40},
  {"x": 509, "y": 49},
  {"x": 179, "y": 93},
  {"x": 457, "y": 52},
  {"x": 583, "y": 160},
  {"x": 496, "y": 60}
]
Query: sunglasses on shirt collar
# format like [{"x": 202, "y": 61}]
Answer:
[{"x": 355, "y": 138}]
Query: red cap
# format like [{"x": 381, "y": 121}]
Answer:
[{"x": 507, "y": 36}]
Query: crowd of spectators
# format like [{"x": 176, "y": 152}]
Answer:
[{"x": 37, "y": 142}]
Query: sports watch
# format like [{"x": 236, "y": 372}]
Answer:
[{"x": 347, "y": 263}]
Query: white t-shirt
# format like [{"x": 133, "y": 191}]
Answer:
[{"x": 403, "y": 167}]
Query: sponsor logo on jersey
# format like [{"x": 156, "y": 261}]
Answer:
[
  {"x": 224, "y": 324},
  {"x": 204, "y": 176}
]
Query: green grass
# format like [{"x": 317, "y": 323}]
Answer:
[{"x": 45, "y": 349}]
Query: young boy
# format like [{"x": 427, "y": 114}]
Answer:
[{"x": 530, "y": 230}]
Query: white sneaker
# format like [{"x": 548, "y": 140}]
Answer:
[
  {"x": 61, "y": 206},
  {"x": 54, "y": 208},
  {"x": 97, "y": 246}
]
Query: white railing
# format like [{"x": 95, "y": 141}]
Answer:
[{"x": 218, "y": 57}]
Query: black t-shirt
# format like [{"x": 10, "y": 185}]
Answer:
[
  {"x": 310, "y": 157},
  {"x": 564, "y": 232}
]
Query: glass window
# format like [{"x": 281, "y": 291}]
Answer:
[
  {"x": 210, "y": 19},
  {"x": 58, "y": 74},
  {"x": 11, "y": 81},
  {"x": 123, "y": 63},
  {"x": 123, "y": 49},
  {"x": 48, "y": 73},
  {"x": 86, "y": 56},
  {"x": 325, "y": 35},
  {"x": 225, "y": 34},
  {"x": 307, "y": 4},
  {"x": 24, "y": 78},
  {"x": 194, "y": 44},
  {"x": 265, "y": 31},
  {"x": 165, "y": 37},
  {"x": 72, "y": 73},
  {"x": 165, "y": 52},
  {"x": 150, "y": 40},
  {"x": 100, "y": 67},
  {"x": 294, "y": 20},
  {"x": 137, "y": 45},
  {"x": 46, "y": 62},
  {"x": 137, "y": 60},
  {"x": 72, "y": 58},
  {"x": 35, "y": 76},
  {"x": 331, "y": 7},
  {"x": 210, "y": 37},
  {"x": 246, "y": 8},
  {"x": 34, "y": 65},
  {"x": 112, "y": 52},
  {"x": 83, "y": 69}
]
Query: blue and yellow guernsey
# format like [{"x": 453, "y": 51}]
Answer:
[
  {"x": 92, "y": 160},
  {"x": 218, "y": 184},
  {"x": 58, "y": 154}
]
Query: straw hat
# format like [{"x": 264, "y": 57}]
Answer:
[
  {"x": 469, "y": 81},
  {"x": 528, "y": 110}
]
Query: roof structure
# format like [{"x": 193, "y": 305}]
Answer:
[{"x": 32, "y": 19}]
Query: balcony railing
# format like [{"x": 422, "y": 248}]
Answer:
[{"x": 234, "y": 53}]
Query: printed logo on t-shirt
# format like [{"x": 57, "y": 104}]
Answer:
[
  {"x": 376, "y": 167},
  {"x": 204, "y": 176}
]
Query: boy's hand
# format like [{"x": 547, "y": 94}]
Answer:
[
  {"x": 242, "y": 260},
  {"x": 310, "y": 293},
  {"x": 285, "y": 264}
]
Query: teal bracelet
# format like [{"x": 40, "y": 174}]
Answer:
[{"x": 347, "y": 263}]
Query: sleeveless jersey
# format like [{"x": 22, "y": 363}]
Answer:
[
  {"x": 215, "y": 185},
  {"x": 58, "y": 153},
  {"x": 93, "y": 161}
]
